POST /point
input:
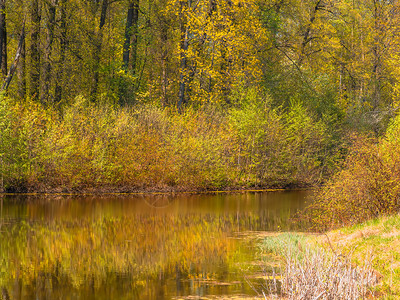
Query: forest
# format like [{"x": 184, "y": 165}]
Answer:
[
  {"x": 130, "y": 95},
  {"x": 120, "y": 98}
]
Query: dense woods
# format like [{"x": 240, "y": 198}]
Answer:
[
  {"x": 335, "y": 56},
  {"x": 196, "y": 94}
]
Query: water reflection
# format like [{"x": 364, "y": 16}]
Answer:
[{"x": 131, "y": 246}]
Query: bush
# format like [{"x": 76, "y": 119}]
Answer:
[
  {"x": 22, "y": 127},
  {"x": 367, "y": 187},
  {"x": 98, "y": 146}
]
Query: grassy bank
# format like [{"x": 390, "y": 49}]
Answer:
[
  {"x": 101, "y": 147},
  {"x": 358, "y": 209},
  {"x": 350, "y": 263},
  {"x": 311, "y": 268},
  {"x": 377, "y": 240}
]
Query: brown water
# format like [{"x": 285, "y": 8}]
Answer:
[{"x": 137, "y": 247}]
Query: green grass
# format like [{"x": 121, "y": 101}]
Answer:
[{"x": 378, "y": 239}]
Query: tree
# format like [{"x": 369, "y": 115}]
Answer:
[
  {"x": 131, "y": 37},
  {"x": 98, "y": 41},
  {"x": 46, "y": 96},
  {"x": 3, "y": 38},
  {"x": 58, "y": 92},
  {"x": 129, "y": 56},
  {"x": 34, "y": 84}
]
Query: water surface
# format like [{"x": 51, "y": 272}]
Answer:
[{"x": 137, "y": 246}]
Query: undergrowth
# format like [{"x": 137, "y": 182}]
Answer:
[
  {"x": 101, "y": 146},
  {"x": 367, "y": 187}
]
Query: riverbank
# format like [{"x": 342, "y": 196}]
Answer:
[
  {"x": 127, "y": 190},
  {"x": 369, "y": 251},
  {"x": 377, "y": 240}
]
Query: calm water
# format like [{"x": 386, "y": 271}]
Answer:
[{"x": 137, "y": 247}]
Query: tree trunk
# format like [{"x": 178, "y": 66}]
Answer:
[
  {"x": 128, "y": 32},
  {"x": 21, "y": 73},
  {"x": 134, "y": 39},
  {"x": 35, "y": 50},
  {"x": 376, "y": 51},
  {"x": 46, "y": 97},
  {"x": 3, "y": 38},
  {"x": 183, "y": 70},
  {"x": 63, "y": 45},
  {"x": 17, "y": 57},
  {"x": 306, "y": 35},
  {"x": 184, "y": 45},
  {"x": 131, "y": 32},
  {"x": 164, "y": 62},
  {"x": 98, "y": 47},
  {"x": 129, "y": 56}
]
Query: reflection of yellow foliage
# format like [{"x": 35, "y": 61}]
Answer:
[{"x": 139, "y": 246}]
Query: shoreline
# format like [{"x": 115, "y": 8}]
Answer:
[
  {"x": 101, "y": 192},
  {"x": 371, "y": 245}
]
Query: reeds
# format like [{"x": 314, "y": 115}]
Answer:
[{"x": 316, "y": 274}]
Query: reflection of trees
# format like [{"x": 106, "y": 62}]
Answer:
[
  {"x": 142, "y": 247},
  {"x": 93, "y": 249}
]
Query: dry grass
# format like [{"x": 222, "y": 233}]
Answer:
[
  {"x": 379, "y": 237},
  {"x": 316, "y": 273},
  {"x": 321, "y": 276}
]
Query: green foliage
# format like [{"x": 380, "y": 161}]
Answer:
[{"x": 258, "y": 140}]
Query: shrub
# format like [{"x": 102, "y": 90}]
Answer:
[
  {"x": 23, "y": 127},
  {"x": 96, "y": 145},
  {"x": 368, "y": 185}
]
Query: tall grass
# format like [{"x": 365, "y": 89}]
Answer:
[
  {"x": 321, "y": 276},
  {"x": 315, "y": 273},
  {"x": 98, "y": 146}
]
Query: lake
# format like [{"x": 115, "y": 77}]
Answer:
[{"x": 160, "y": 246}]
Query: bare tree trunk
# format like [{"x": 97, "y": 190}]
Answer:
[
  {"x": 13, "y": 67},
  {"x": 46, "y": 97},
  {"x": 21, "y": 72},
  {"x": 164, "y": 60},
  {"x": 134, "y": 38},
  {"x": 183, "y": 70},
  {"x": 35, "y": 50},
  {"x": 376, "y": 51},
  {"x": 131, "y": 32},
  {"x": 128, "y": 32},
  {"x": 129, "y": 56}
]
